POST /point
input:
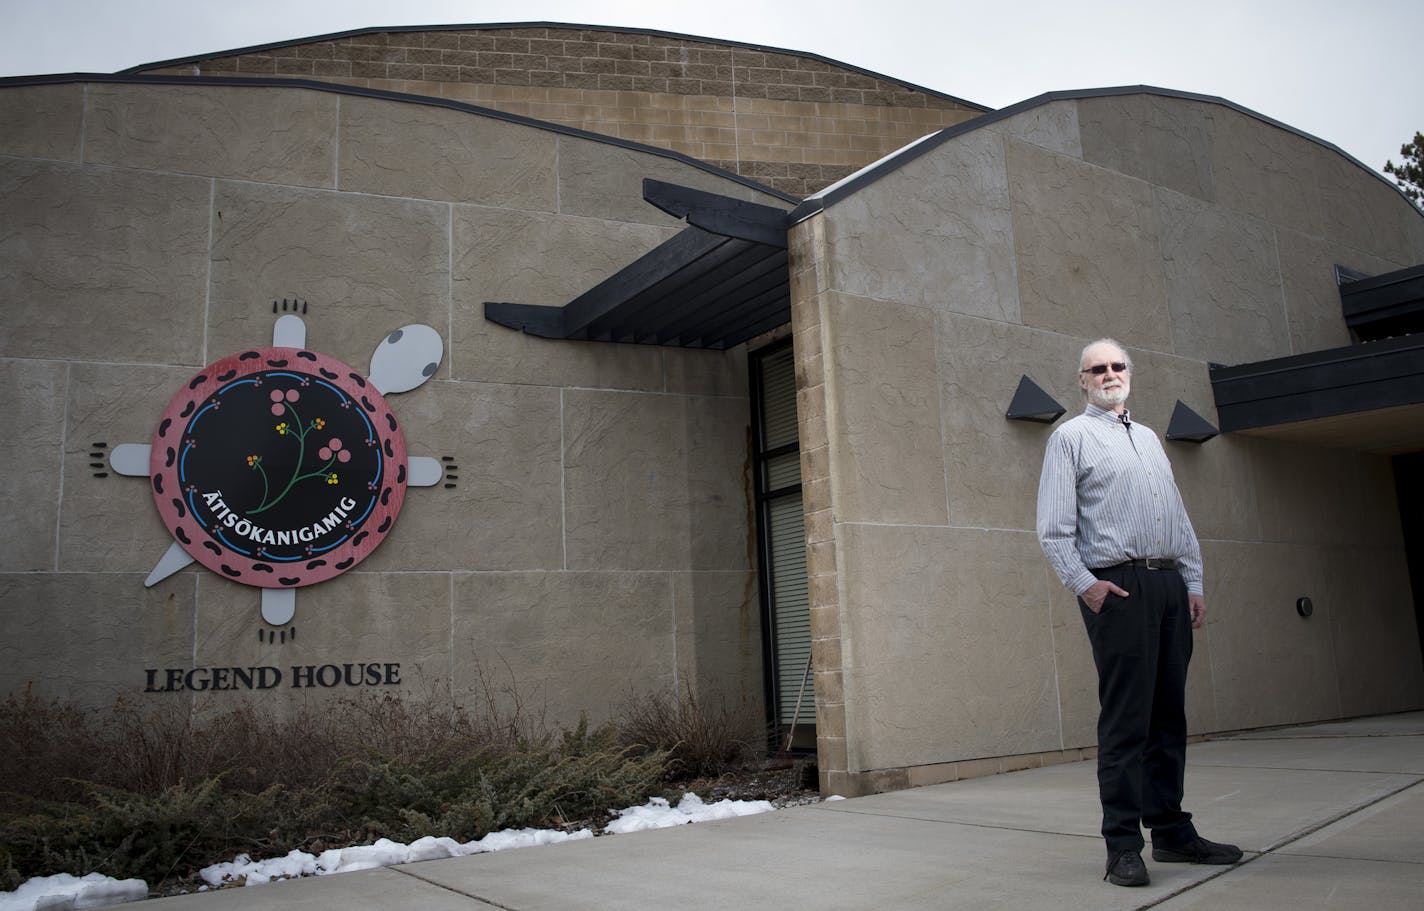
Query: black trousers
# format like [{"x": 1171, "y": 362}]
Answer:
[{"x": 1141, "y": 646}]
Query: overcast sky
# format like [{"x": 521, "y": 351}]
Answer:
[{"x": 1346, "y": 72}]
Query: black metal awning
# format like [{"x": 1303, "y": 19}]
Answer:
[
  {"x": 1380, "y": 306},
  {"x": 719, "y": 282},
  {"x": 1367, "y": 397}
]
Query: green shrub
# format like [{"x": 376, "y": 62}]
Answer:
[{"x": 159, "y": 791}]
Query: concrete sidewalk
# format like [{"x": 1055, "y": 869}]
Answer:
[{"x": 1330, "y": 816}]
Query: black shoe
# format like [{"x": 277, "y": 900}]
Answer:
[
  {"x": 1126, "y": 868},
  {"x": 1197, "y": 851}
]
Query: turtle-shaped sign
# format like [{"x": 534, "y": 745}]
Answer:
[{"x": 281, "y": 467}]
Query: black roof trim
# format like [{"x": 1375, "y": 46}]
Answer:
[
  {"x": 428, "y": 100},
  {"x": 1379, "y": 306},
  {"x": 826, "y": 198},
  {"x": 1301, "y": 387},
  {"x": 379, "y": 29}
]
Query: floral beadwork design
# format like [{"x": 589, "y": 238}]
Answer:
[{"x": 284, "y": 402}]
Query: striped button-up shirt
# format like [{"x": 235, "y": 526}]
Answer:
[{"x": 1107, "y": 495}]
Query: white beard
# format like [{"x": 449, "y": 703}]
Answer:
[{"x": 1109, "y": 398}]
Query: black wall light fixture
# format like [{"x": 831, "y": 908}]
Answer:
[
  {"x": 1189, "y": 427},
  {"x": 1031, "y": 403}
]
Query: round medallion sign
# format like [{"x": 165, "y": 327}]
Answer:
[{"x": 278, "y": 467}]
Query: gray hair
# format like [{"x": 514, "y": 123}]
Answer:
[{"x": 1126, "y": 358}]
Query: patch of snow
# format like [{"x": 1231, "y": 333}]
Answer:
[
  {"x": 657, "y": 814},
  {"x": 63, "y": 892}
]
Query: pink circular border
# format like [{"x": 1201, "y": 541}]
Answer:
[{"x": 176, "y": 516}]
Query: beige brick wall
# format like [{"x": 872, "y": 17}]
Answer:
[{"x": 792, "y": 122}]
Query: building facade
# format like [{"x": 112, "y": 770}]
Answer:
[{"x": 752, "y": 440}]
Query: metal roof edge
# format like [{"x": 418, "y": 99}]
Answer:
[
  {"x": 428, "y": 100},
  {"x": 378, "y": 29},
  {"x": 830, "y": 196}
]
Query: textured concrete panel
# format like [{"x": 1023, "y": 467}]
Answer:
[
  {"x": 992, "y": 463},
  {"x": 887, "y": 455},
  {"x": 603, "y": 180},
  {"x": 415, "y": 150},
  {"x": 42, "y": 121},
  {"x": 947, "y": 640},
  {"x": 1305, "y": 494},
  {"x": 1089, "y": 260},
  {"x": 102, "y": 264},
  {"x": 111, "y": 524},
  {"x": 32, "y": 452},
  {"x": 1265, "y": 171},
  {"x": 1164, "y": 141},
  {"x": 1363, "y": 211},
  {"x": 695, "y": 371},
  {"x": 1053, "y": 126},
  {"x": 1313, "y": 308},
  {"x": 365, "y": 265},
  {"x": 360, "y": 617},
  {"x": 1270, "y": 665},
  {"x": 273, "y": 135},
  {"x": 1223, "y": 283},
  {"x": 505, "y": 508},
  {"x": 1371, "y": 609},
  {"x": 563, "y": 643},
  {"x": 508, "y": 257},
  {"x": 88, "y": 637},
  {"x": 935, "y": 233},
  {"x": 655, "y": 482},
  {"x": 1073, "y": 662},
  {"x": 718, "y": 647}
]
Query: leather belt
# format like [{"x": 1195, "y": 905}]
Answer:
[{"x": 1144, "y": 563}]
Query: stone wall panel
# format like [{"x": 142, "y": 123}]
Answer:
[
  {"x": 32, "y": 451},
  {"x": 561, "y": 644},
  {"x": 216, "y": 131},
  {"x": 111, "y": 524},
  {"x": 936, "y": 233},
  {"x": 1087, "y": 245},
  {"x": 101, "y": 264},
  {"x": 364, "y": 266},
  {"x": 422, "y": 152},
  {"x": 1269, "y": 665},
  {"x": 932, "y": 612},
  {"x": 1164, "y": 141},
  {"x": 504, "y": 510},
  {"x": 883, "y": 411},
  {"x": 510, "y": 257},
  {"x": 1223, "y": 283},
  {"x": 42, "y": 121},
  {"x": 96, "y": 633}
]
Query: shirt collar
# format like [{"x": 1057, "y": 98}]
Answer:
[{"x": 1103, "y": 414}]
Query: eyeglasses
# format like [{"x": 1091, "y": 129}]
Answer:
[{"x": 1100, "y": 369}]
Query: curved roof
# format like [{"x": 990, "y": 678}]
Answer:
[
  {"x": 896, "y": 160},
  {"x": 130, "y": 78},
  {"x": 376, "y": 30}
]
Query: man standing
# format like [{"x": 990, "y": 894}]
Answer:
[{"x": 1112, "y": 523}]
